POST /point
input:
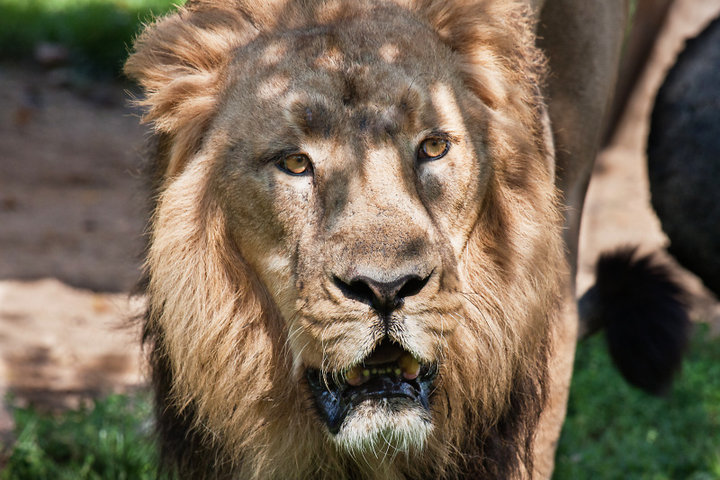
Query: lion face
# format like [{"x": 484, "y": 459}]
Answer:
[
  {"x": 354, "y": 206},
  {"x": 359, "y": 246}
]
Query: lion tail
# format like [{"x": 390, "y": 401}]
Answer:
[{"x": 644, "y": 311}]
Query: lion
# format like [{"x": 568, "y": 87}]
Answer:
[
  {"x": 684, "y": 157},
  {"x": 364, "y": 232}
]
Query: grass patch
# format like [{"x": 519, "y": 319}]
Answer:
[
  {"x": 108, "y": 440},
  {"x": 97, "y": 33},
  {"x": 612, "y": 431}
]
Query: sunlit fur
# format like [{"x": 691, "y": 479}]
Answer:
[
  {"x": 383, "y": 431},
  {"x": 238, "y": 304}
]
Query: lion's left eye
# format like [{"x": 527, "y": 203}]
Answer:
[
  {"x": 296, "y": 164},
  {"x": 433, "y": 148}
]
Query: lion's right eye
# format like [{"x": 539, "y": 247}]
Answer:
[
  {"x": 433, "y": 148},
  {"x": 295, "y": 164}
]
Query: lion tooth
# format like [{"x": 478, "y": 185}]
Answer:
[
  {"x": 410, "y": 366},
  {"x": 354, "y": 376}
]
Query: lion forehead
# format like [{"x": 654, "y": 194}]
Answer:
[{"x": 356, "y": 74}]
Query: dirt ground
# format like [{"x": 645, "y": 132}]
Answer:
[{"x": 71, "y": 224}]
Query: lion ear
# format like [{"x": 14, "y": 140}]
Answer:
[
  {"x": 178, "y": 61},
  {"x": 495, "y": 44}
]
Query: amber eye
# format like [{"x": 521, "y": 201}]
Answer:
[
  {"x": 433, "y": 148},
  {"x": 296, "y": 164}
]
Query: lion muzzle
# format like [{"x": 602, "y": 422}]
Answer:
[{"x": 389, "y": 373}]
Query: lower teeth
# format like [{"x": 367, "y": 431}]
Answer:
[{"x": 407, "y": 366}]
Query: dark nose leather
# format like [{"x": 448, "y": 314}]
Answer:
[{"x": 384, "y": 297}]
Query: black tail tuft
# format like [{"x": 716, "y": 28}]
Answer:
[{"x": 644, "y": 313}]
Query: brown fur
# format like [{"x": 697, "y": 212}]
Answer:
[{"x": 239, "y": 299}]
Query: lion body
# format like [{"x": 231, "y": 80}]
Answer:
[{"x": 257, "y": 274}]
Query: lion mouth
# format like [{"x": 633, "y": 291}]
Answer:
[{"x": 388, "y": 372}]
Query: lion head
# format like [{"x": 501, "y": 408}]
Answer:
[{"x": 355, "y": 250}]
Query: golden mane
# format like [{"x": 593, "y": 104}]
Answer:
[{"x": 218, "y": 343}]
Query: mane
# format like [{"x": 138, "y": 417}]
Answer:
[{"x": 211, "y": 326}]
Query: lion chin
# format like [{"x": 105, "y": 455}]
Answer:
[
  {"x": 385, "y": 426},
  {"x": 379, "y": 405}
]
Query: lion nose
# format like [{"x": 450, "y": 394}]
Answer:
[{"x": 384, "y": 297}]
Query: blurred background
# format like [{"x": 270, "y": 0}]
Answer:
[{"x": 72, "y": 213}]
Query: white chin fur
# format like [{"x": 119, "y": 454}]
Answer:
[{"x": 382, "y": 428}]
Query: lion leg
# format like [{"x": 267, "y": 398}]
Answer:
[
  {"x": 648, "y": 19},
  {"x": 582, "y": 41}
]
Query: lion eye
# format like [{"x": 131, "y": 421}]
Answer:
[
  {"x": 296, "y": 164},
  {"x": 433, "y": 148}
]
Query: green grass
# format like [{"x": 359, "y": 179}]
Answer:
[
  {"x": 612, "y": 431},
  {"x": 615, "y": 432},
  {"x": 109, "y": 440},
  {"x": 97, "y": 33}
]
